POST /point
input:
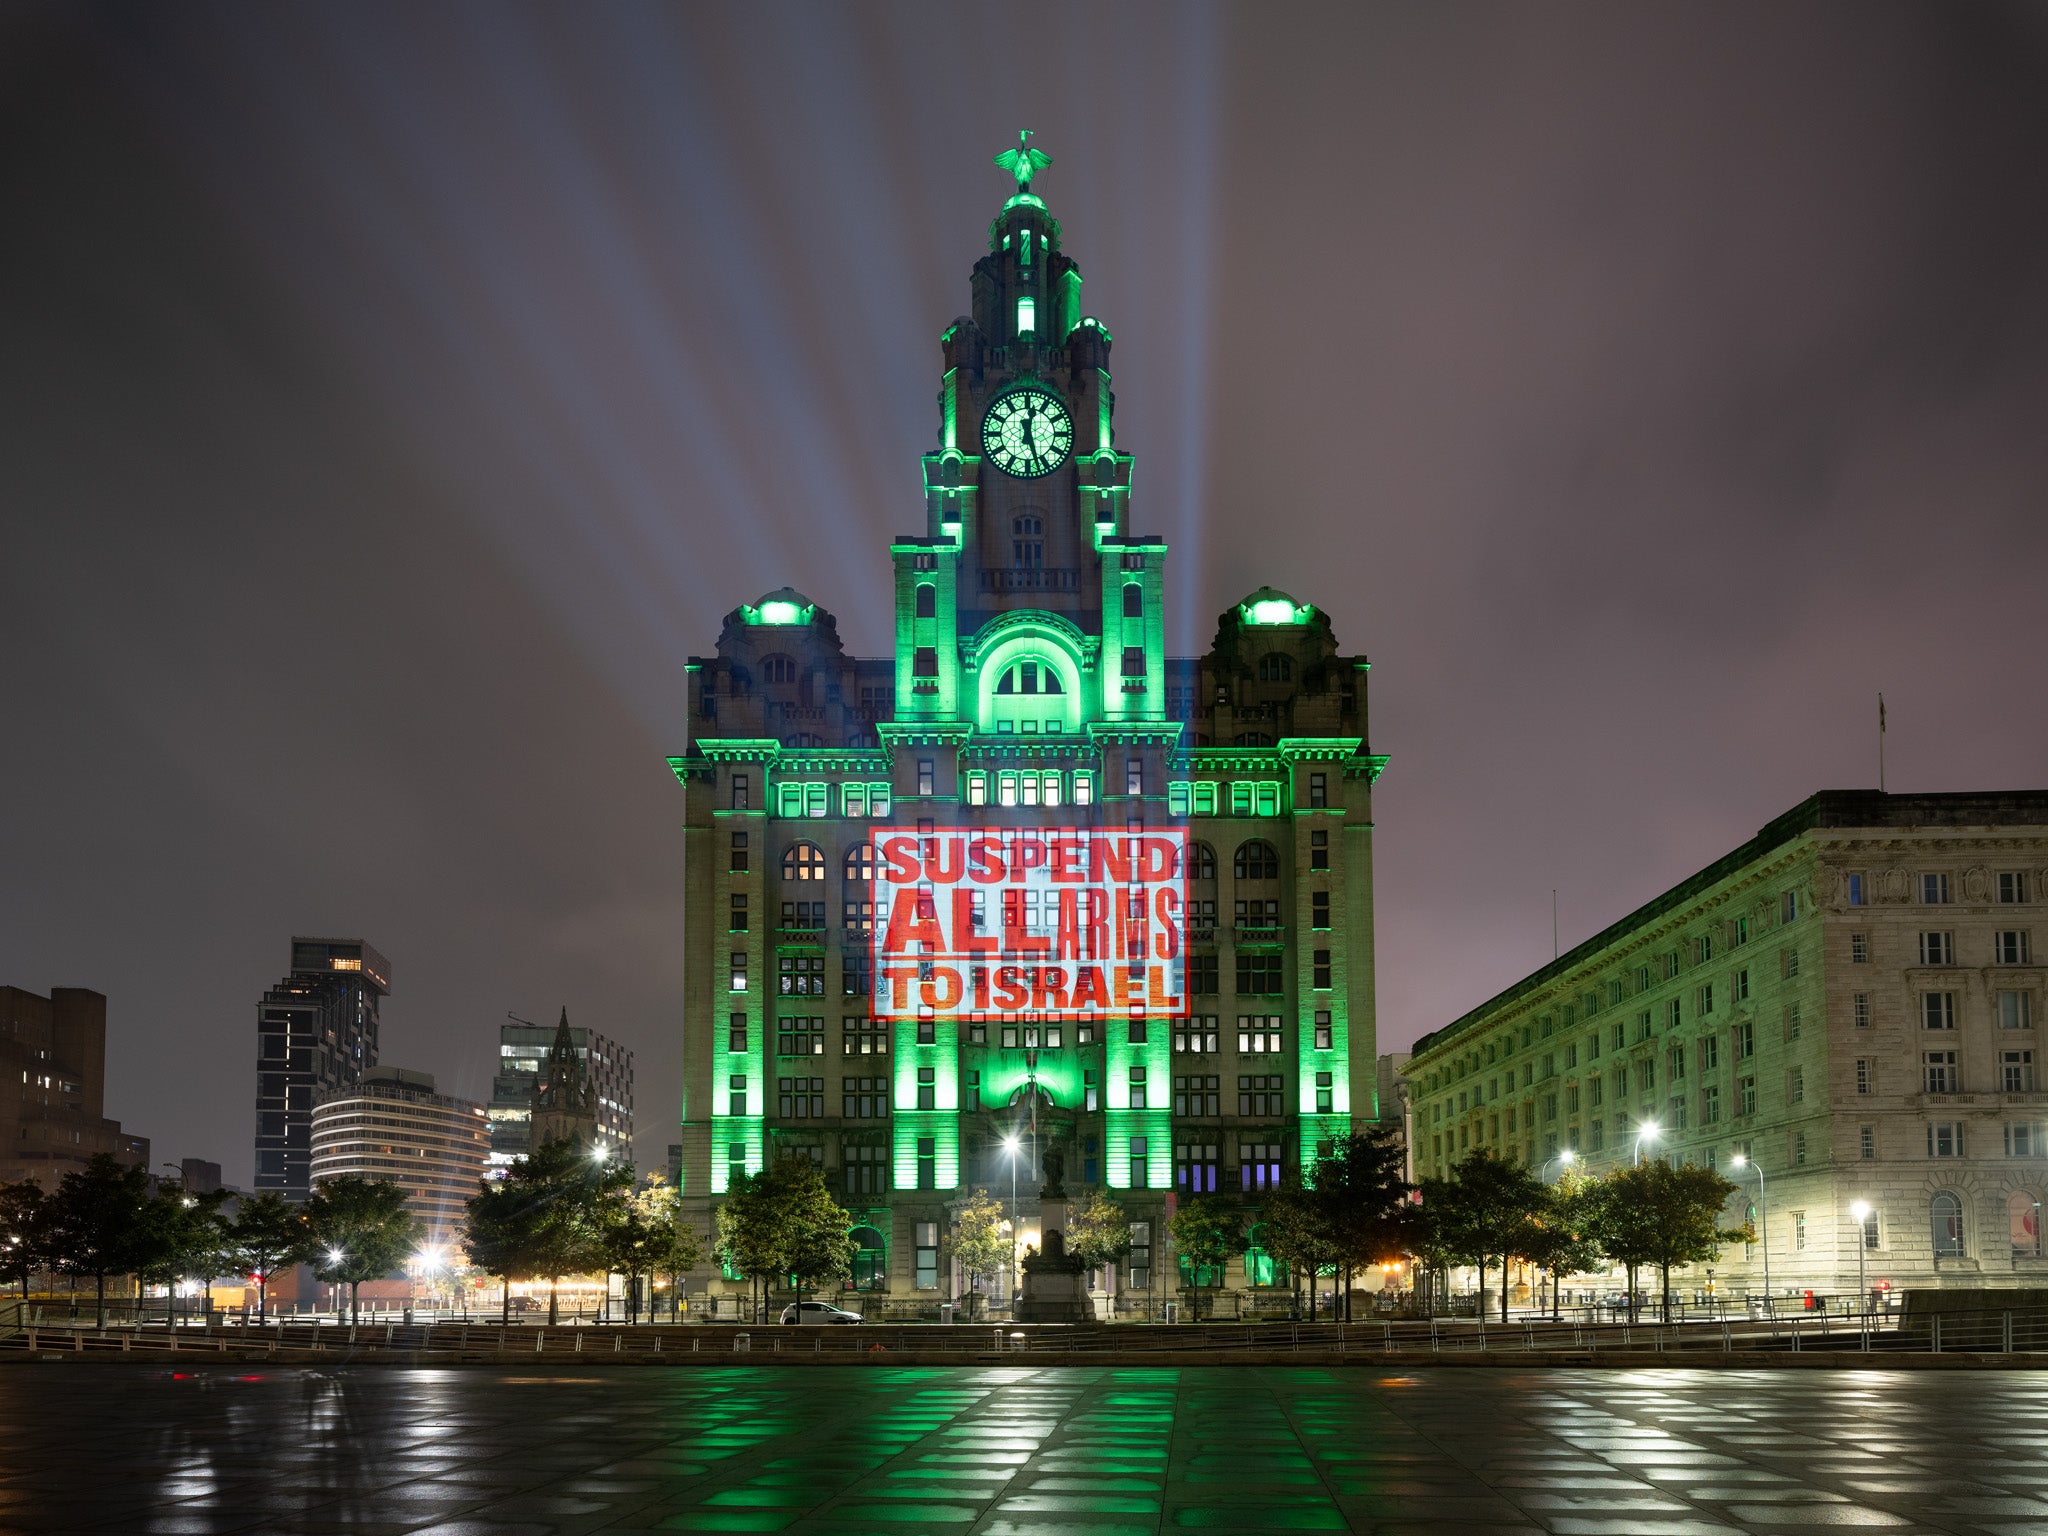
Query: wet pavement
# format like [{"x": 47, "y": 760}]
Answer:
[{"x": 1005, "y": 1452}]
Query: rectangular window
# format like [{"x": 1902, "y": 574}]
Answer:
[
  {"x": 736, "y": 1094},
  {"x": 1799, "y": 1229},
  {"x": 1939, "y": 1071},
  {"x": 927, "y": 1088},
  {"x": 800, "y": 1037},
  {"x": 800, "y": 975},
  {"x": 927, "y": 776},
  {"x": 1795, "y": 1086},
  {"x": 927, "y": 1162},
  {"x": 736, "y": 921},
  {"x": 1140, "y": 1171},
  {"x": 1865, "y": 1076},
  {"x": 977, "y": 787},
  {"x": 1323, "y": 1030},
  {"x": 2015, "y": 1071},
  {"x": 925, "y": 1235},
  {"x": 1859, "y": 1009},
  {"x": 1788, "y": 906},
  {"x": 737, "y": 861},
  {"x": 864, "y": 1098},
  {"x": 1703, "y": 1000},
  {"x": 1710, "y": 1104},
  {"x": 741, "y": 794},
  {"x": 1945, "y": 1138},
  {"x": 2012, "y": 947},
  {"x": 857, "y": 973},
  {"x": 738, "y": 972},
  {"x": 1084, "y": 789},
  {"x": 1738, "y": 987},
  {"x": 1745, "y": 1096},
  {"x": 2015, "y": 1010},
  {"x": 1744, "y": 1036},
  {"x": 1673, "y": 1014},
  {"x": 1791, "y": 1021},
  {"x": 736, "y": 1032},
  {"x": 1856, "y": 890},
  {"x": 1318, "y": 791},
  {"x": 1798, "y": 1147},
  {"x": 1790, "y": 963},
  {"x": 1937, "y": 948},
  {"x": 1710, "y": 1052},
  {"x": 1134, "y": 776},
  {"x": 1866, "y": 1142},
  {"x": 2012, "y": 886},
  {"x": 1322, "y": 970},
  {"x": 1259, "y": 975},
  {"x": 1318, "y": 850},
  {"x": 1137, "y": 1088},
  {"x": 1859, "y": 949},
  {"x": 2024, "y": 1140},
  {"x": 1027, "y": 316},
  {"x": 1319, "y": 909},
  {"x": 924, "y": 662},
  {"x": 1934, "y": 890},
  {"x": 1325, "y": 1090},
  {"x": 1938, "y": 1010}
]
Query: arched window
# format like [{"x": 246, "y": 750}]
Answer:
[
  {"x": 927, "y": 600},
  {"x": 803, "y": 861},
  {"x": 1945, "y": 1212},
  {"x": 870, "y": 1261},
  {"x": 804, "y": 739},
  {"x": 1027, "y": 543},
  {"x": 1200, "y": 863},
  {"x": 1134, "y": 600},
  {"x": 1030, "y": 677},
  {"x": 778, "y": 669},
  {"x": 1275, "y": 669},
  {"x": 860, "y": 864},
  {"x": 2023, "y": 1215},
  {"x": 1256, "y": 861}
]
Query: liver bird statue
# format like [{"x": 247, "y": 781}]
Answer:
[{"x": 1024, "y": 162}]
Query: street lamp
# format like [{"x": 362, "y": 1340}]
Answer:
[
  {"x": 1647, "y": 1131},
  {"x": 1741, "y": 1160},
  {"x": 1567, "y": 1157},
  {"x": 1859, "y": 1212},
  {"x": 1010, "y": 1145}
]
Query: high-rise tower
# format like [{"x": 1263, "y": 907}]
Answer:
[
  {"x": 1028, "y": 703},
  {"x": 316, "y": 1032}
]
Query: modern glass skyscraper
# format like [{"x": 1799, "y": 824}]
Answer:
[
  {"x": 316, "y": 1031},
  {"x": 1029, "y": 896}
]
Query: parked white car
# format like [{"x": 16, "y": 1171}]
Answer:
[{"x": 817, "y": 1312}]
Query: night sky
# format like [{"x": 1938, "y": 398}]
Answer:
[{"x": 391, "y": 399}]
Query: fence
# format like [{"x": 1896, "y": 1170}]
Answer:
[{"x": 2003, "y": 1332}]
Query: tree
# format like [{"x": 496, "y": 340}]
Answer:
[
  {"x": 645, "y": 1236},
  {"x": 1488, "y": 1208},
  {"x": 497, "y": 1233},
  {"x": 1295, "y": 1228},
  {"x": 1561, "y": 1238},
  {"x": 267, "y": 1233},
  {"x": 1655, "y": 1214},
  {"x": 1207, "y": 1231},
  {"x": 361, "y": 1230},
  {"x": 748, "y": 1235},
  {"x": 187, "y": 1239},
  {"x": 979, "y": 1242},
  {"x": 24, "y": 1231},
  {"x": 819, "y": 1229},
  {"x": 1362, "y": 1192},
  {"x": 97, "y": 1226},
  {"x": 1098, "y": 1230}
]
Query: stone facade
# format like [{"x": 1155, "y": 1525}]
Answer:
[
  {"x": 1029, "y": 691},
  {"x": 53, "y": 1084},
  {"x": 1850, "y": 1000}
]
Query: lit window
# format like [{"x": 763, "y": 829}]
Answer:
[{"x": 1027, "y": 316}]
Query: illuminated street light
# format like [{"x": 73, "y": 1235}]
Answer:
[
  {"x": 1859, "y": 1212},
  {"x": 1647, "y": 1131},
  {"x": 1740, "y": 1161}
]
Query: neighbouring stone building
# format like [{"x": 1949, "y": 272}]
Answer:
[
  {"x": 53, "y": 1085},
  {"x": 1030, "y": 701},
  {"x": 1849, "y": 1001},
  {"x": 604, "y": 1075}
]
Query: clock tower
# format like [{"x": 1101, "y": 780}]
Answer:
[
  {"x": 1027, "y": 697},
  {"x": 1026, "y": 556}
]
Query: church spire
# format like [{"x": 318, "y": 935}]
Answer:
[{"x": 564, "y": 1108}]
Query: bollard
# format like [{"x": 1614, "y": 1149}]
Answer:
[
  {"x": 1528, "y": 1335},
  {"x": 1388, "y": 1344},
  {"x": 579, "y": 1343},
  {"x": 619, "y": 1343},
  {"x": 1936, "y": 1340},
  {"x": 1727, "y": 1338},
  {"x": 78, "y": 1341},
  {"x": 539, "y": 1337},
  {"x": 742, "y": 1344},
  {"x": 2006, "y": 1319}
]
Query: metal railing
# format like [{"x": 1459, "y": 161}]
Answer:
[{"x": 1982, "y": 1332}]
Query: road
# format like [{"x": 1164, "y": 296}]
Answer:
[{"x": 859, "y": 1451}]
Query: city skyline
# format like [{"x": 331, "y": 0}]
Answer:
[{"x": 1639, "y": 439}]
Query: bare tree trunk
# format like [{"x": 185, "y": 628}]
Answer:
[{"x": 504, "y": 1301}]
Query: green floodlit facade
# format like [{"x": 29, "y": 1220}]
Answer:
[{"x": 1029, "y": 688}]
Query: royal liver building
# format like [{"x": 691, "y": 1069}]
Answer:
[{"x": 1028, "y": 890}]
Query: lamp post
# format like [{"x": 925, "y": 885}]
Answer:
[
  {"x": 336, "y": 1257},
  {"x": 1741, "y": 1160},
  {"x": 1010, "y": 1269},
  {"x": 1859, "y": 1212},
  {"x": 1647, "y": 1131},
  {"x": 1564, "y": 1159}
]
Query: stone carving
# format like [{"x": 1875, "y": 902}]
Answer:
[
  {"x": 1054, "y": 1162},
  {"x": 1976, "y": 885},
  {"x": 1892, "y": 885}
]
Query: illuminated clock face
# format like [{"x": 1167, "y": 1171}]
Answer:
[{"x": 1028, "y": 433}]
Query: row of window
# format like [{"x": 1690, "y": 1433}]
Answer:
[{"x": 1937, "y": 889}]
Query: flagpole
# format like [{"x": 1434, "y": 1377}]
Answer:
[{"x": 1880, "y": 743}]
